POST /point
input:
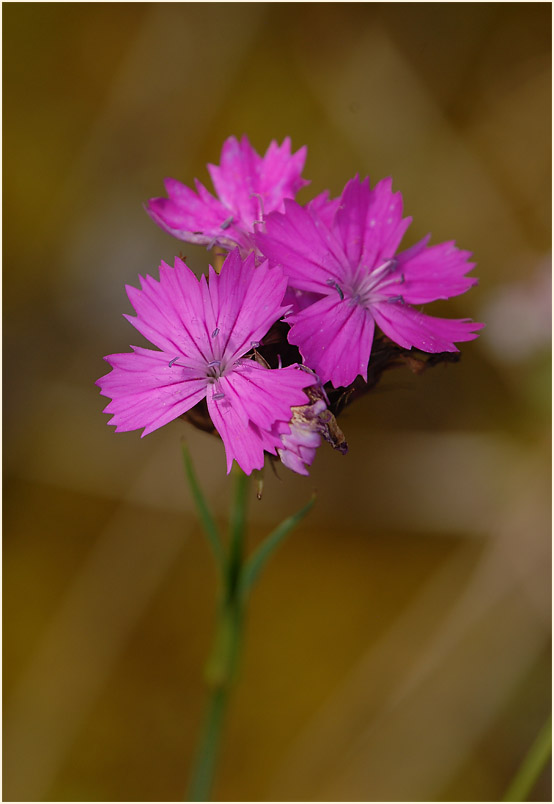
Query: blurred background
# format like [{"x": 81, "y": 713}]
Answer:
[{"x": 398, "y": 647}]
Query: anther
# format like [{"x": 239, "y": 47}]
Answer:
[
  {"x": 214, "y": 363},
  {"x": 171, "y": 362},
  {"x": 215, "y": 333},
  {"x": 333, "y": 284},
  {"x": 227, "y": 223},
  {"x": 254, "y": 344},
  {"x": 393, "y": 299},
  {"x": 219, "y": 395},
  {"x": 211, "y": 244}
]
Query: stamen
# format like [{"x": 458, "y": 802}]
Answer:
[
  {"x": 280, "y": 363},
  {"x": 171, "y": 362},
  {"x": 333, "y": 284},
  {"x": 211, "y": 244},
  {"x": 261, "y": 202},
  {"x": 309, "y": 371},
  {"x": 227, "y": 223},
  {"x": 215, "y": 333},
  {"x": 214, "y": 363},
  {"x": 393, "y": 299},
  {"x": 389, "y": 265},
  {"x": 254, "y": 344}
]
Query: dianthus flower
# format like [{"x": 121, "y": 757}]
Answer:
[
  {"x": 248, "y": 187},
  {"x": 203, "y": 332},
  {"x": 347, "y": 253}
]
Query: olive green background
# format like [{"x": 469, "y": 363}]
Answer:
[{"x": 398, "y": 647}]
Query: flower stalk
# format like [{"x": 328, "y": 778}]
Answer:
[
  {"x": 238, "y": 577},
  {"x": 221, "y": 669}
]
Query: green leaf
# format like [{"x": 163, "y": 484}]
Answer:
[
  {"x": 259, "y": 559},
  {"x": 204, "y": 512}
]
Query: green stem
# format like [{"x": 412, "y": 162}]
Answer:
[
  {"x": 208, "y": 746},
  {"x": 222, "y": 666},
  {"x": 532, "y": 765},
  {"x": 204, "y": 512},
  {"x": 238, "y": 526}
]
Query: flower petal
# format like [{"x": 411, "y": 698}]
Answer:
[
  {"x": 408, "y": 327},
  {"x": 305, "y": 247},
  {"x": 435, "y": 272},
  {"x": 169, "y": 312},
  {"x": 194, "y": 218},
  {"x": 244, "y": 444},
  {"x": 324, "y": 208},
  {"x": 298, "y": 300},
  {"x": 279, "y": 176},
  {"x": 335, "y": 338},
  {"x": 369, "y": 222},
  {"x": 247, "y": 301},
  {"x": 244, "y": 174},
  {"x": 262, "y": 395},
  {"x": 146, "y": 391}
]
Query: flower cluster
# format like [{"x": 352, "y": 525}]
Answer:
[{"x": 256, "y": 351}]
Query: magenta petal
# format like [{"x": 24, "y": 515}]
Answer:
[
  {"x": 234, "y": 179},
  {"x": 298, "y": 300},
  {"x": 280, "y": 174},
  {"x": 243, "y": 443},
  {"x": 264, "y": 395},
  {"x": 335, "y": 338},
  {"x": 323, "y": 208},
  {"x": 408, "y": 327},
  {"x": 435, "y": 272},
  {"x": 308, "y": 251},
  {"x": 370, "y": 222},
  {"x": 188, "y": 216},
  {"x": 146, "y": 391},
  {"x": 169, "y": 311},
  {"x": 248, "y": 301},
  {"x": 244, "y": 175}
]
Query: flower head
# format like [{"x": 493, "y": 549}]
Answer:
[
  {"x": 248, "y": 187},
  {"x": 347, "y": 253},
  {"x": 203, "y": 332}
]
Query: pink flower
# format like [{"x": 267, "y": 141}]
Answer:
[
  {"x": 248, "y": 187},
  {"x": 202, "y": 333},
  {"x": 347, "y": 253}
]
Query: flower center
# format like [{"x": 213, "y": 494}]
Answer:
[
  {"x": 215, "y": 369},
  {"x": 368, "y": 288}
]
